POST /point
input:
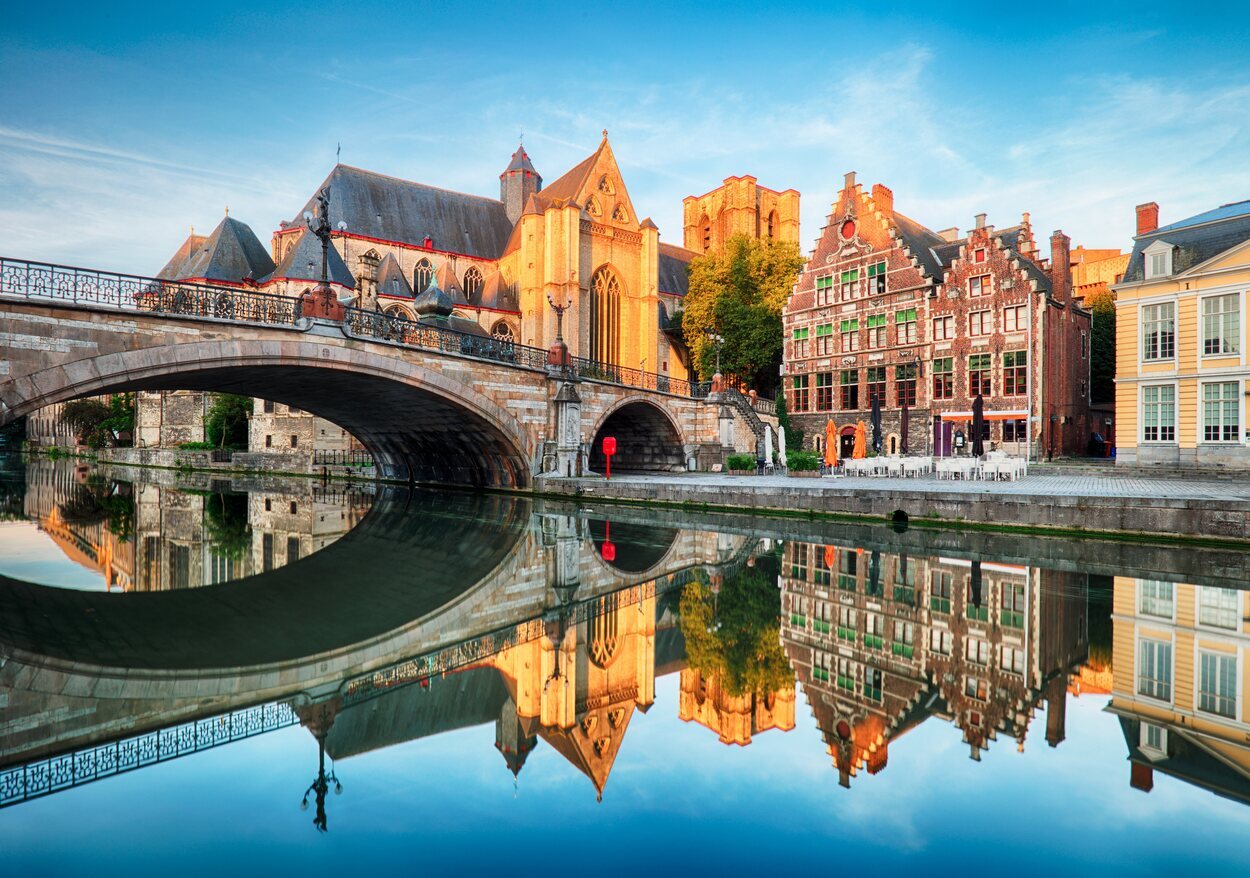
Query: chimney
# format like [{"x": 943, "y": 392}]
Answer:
[
  {"x": 1060, "y": 266},
  {"x": 980, "y": 220},
  {"x": 883, "y": 197},
  {"x": 1141, "y": 777},
  {"x": 951, "y": 234},
  {"x": 1147, "y": 218},
  {"x": 428, "y": 243},
  {"x": 848, "y": 182}
]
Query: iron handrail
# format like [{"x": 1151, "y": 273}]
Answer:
[{"x": 127, "y": 292}]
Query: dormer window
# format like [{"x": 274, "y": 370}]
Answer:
[{"x": 1158, "y": 258}]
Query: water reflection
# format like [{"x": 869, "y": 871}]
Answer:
[{"x": 373, "y": 619}]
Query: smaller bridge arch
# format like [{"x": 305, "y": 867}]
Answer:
[{"x": 647, "y": 439}]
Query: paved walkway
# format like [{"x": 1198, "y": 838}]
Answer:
[{"x": 1035, "y": 485}]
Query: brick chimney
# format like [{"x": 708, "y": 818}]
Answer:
[
  {"x": 1141, "y": 777},
  {"x": 848, "y": 182},
  {"x": 1060, "y": 266},
  {"x": 1147, "y": 218},
  {"x": 883, "y": 197}
]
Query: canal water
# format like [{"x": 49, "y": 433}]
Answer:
[{"x": 202, "y": 675}]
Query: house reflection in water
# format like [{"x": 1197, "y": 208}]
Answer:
[
  {"x": 881, "y": 641},
  {"x": 1180, "y": 659}
]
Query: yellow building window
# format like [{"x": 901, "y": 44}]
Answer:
[
  {"x": 1158, "y": 331},
  {"x": 1221, "y": 325}
]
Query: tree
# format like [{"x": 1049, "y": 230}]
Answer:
[
  {"x": 97, "y": 423},
  {"x": 738, "y": 293},
  {"x": 225, "y": 424},
  {"x": 225, "y": 521},
  {"x": 1102, "y": 348}
]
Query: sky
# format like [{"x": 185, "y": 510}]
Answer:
[{"x": 120, "y": 129}]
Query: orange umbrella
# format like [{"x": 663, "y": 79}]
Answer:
[
  {"x": 831, "y": 557},
  {"x": 831, "y": 444},
  {"x": 861, "y": 442}
]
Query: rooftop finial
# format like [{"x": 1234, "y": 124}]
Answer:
[
  {"x": 227, "y": 210},
  {"x": 605, "y": 134}
]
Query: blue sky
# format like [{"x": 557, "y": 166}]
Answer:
[{"x": 121, "y": 126}]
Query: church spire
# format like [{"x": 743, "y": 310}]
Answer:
[{"x": 517, "y": 183}]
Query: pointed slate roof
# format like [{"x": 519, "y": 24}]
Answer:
[
  {"x": 1196, "y": 239},
  {"x": 446, "y": 280},
  {"x": 391, "y": 280},
  {"x": 497, "y": 294},
  {"x": 574, "y": 181},
  {"x": 174, "y": 267},
  {"x": 232, "y": 253},
  {"x": 521, "y": 162},
  {"x": 391, "y": 209},
  {"x": 296, "y": 263}
]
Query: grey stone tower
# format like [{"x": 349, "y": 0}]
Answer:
[{"x": 517, "y": 183}]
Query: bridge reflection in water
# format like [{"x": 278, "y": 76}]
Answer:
[{"x": 420, "y": 613}]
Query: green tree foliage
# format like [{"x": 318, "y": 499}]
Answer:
[
  {"x": 738, "y": 294},
  {"x": 101, "y": 499},
  {"x": 97, "y": 423},
  {"x": 737, "y": 635},
  {"x": 225, "y": 424},
  {"x": 1102, "y": 349},
  {"x": 226, "y": 525}
]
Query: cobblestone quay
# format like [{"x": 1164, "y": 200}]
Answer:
[{"x": 1193, "y": 508}]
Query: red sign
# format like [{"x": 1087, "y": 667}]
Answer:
[
  {"x": 608, "y": 551},
  {"x": 609, "y": 449}
]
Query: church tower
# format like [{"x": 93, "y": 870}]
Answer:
[{"x": 517, "y": 183}]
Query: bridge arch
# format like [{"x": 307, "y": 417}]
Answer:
[
  {"x": 420, "y": 424},
  {"x": 647, "y": 438}
]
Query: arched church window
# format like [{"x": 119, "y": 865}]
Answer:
[
  {"x": 619, "y": 214},
  {"x": 422, "y": 275},
  {"x": 705, "y": 231},
  {"x": 605, "y": 185},
  {"x": 503, "y": 331},
  {"x": 605, "y": 316},
  {"x": 772, "y": 224},
  {"x": 398, "y": 311},
  {"x": 593, "y": 208},
  {"x": 473, "y": 284}
]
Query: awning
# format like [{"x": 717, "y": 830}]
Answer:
[{"x": 989, "y": 415}]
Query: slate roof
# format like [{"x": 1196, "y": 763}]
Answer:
[
  {"x": 391, "y": 209},
  {"x": 496, "y": 294},
  {"x": 174, "y": 267},
  {"x": 391, "y": 280},
  {"x": 674, "y": 269},
  {"x": 231, "y": 253},
  {"x": 1196, "y": 239},
  {"x": 572, "y": 183},
  {"x": 923, "y": 243},
  {"x": 521, "y": 162},
  {"x": 306, "y": 252}
]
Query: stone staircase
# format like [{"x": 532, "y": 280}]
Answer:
[{"x": 742, "y": 407}]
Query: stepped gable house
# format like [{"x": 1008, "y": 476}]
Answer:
[{"x": 888, "y": 307}]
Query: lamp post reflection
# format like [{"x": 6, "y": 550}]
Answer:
[{"x": 318, "y": 718}]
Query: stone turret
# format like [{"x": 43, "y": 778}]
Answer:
[{"x": 517, "y": 183}]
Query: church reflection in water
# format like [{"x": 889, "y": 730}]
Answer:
[{"x": 561, "y": 636}]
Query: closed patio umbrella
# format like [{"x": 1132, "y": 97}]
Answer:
[
  {"x": 906, "y": 422},
  {"x": 781, "y": 446},
  {"x": 876, "y": 423},
  {"x": 874, "y": 573},
  {"x": 974, "y": 584},
  {"x": 831, "y": 444},
  {"x": 768, "y": 445},
  {"x": 978, "y": 426},
  {"x": 860, "y": 451}
]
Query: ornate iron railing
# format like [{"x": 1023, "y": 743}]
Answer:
[
  {"x": 41, "y": 280},
  {"x": 329, "y": 457},
  {"x": 78, "y": 767},
  {"x": 591, "y": 370}
]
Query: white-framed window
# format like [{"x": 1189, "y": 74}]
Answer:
[
  {"x": 1217, "y": 683},
  {"x": 1155, "y": 598},
  {"x": 1219, "y": 607},
  {"x": 943, "y": 328},
  {"x": 1153, "y": 740},
  {"x": 1220, "y": 419},
  {"x": 1158, "y": 411},
  {"x": 1158, "y": 259},
  {"x": 1221, "y": 325},
  {"x": 1158, "y": 326},
  {"x": 980, "y": 323},
  {"x": 1015, "y": 318},
  {"x": 1154, "y": 669}
]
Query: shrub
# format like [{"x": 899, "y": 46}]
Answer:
[
  {"x": 803, "y": 461},
  {"x": 741, "y": 461},
  {"x": 196, "y": 446}
]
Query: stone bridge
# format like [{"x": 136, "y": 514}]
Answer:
[{"x": 431, "y": 404}]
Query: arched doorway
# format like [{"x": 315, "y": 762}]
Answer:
[
  {"x": 846, "y": 442},
  {"x": 605, "y": 317},
  {"x": 646, "y": 441}
]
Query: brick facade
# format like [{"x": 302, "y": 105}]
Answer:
[{"x": 886, "y": 306}]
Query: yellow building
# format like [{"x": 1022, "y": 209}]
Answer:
[
  {"x": 739, "y": 206},
  {"x": 1180, "y": 660},
  {"x": 1181, "y": 371},
  {"x": 736, "y": 719}
]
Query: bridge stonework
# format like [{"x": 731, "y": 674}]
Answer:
[{"x": 426, "y": 414}]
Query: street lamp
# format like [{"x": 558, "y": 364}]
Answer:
[
  {"x": 558, "y": 353},
  {"x": 320, "y": 786},
  {"x": 717, "y": 341}
]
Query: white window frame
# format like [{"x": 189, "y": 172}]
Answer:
[
  {"x": 1236, "y": 399},
  {"x": 1233, "y": 337},
  {"x": 1198, "y": 680},
  {"x": 1152, "y": 751},
  {"x": 1163, "y": 250},
  {"x": 1141, "y": 413},
  {"x": 1202, "y": 591},
  {"x": 1143, "y": 310},
  {"x": 1137, "y": 668},
  {"x": 1142, "y": 586}
]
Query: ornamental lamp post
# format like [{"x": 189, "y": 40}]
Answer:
[
  {"x": 717, "y": 341},
  {"x": 558, "y": 353},
  {"x": 321, "y": 301}
]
